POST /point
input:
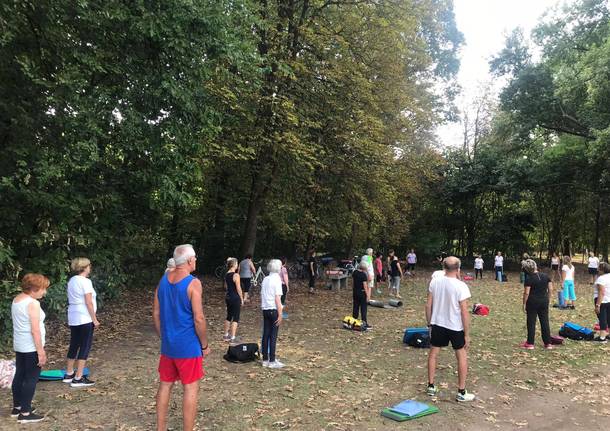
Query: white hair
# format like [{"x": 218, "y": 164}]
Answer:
[
  {"x": 369, "y": 251},
  {"x": 274, "y": 266},
  {"x": 171, "y": 263},
  {"x": 182, "y": 253},
  {"x": 231, "y": 262},
  {"x": 363, "y": 265}
]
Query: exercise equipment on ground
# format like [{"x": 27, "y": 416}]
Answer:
[
  {"x": 354, "y": 324},
  {"x": 414, "y": 332},
  {"x": 480, "y": 309},
  {"x": 376, "y": 303},
  {"x": 408, "y": 410},
  {"x": 55, "y": 375},
  {"x": 574, "y": 331},
  {"x": 395, "y": 302},
  {"x": 240, "y": 353}
]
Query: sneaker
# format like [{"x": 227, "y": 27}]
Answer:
[
  {"x": 432, "y": 390},
  {"x": 226, "y": 338},
  {"x": 276, "y": 364},
  {"x": 311, "y": 291},
  {"x": 17, "y": 411},
  {"x": 83, "y": 382},
  {"x": 526, "y": 345},
  {"x": 465, "y": 397},
  {"x": 398, "y": 296},
  {"x": 68, "y": 378},
  {"x": 600, "y": 340},
  {"x": 549, "y": 347},
  {"x": 265, "y": 364},
  {"x": 29, "y": 419}
]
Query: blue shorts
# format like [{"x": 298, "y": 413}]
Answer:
[{"x": 568, "y": 290}]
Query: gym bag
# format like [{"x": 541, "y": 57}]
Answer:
[
  {"x": 480, "y": 309},
  {"x": 421, "y": 340},
  {"x": 350, "y": 323},
  {"x": 576, "y": 332},
  {"x": 411, "y": 333},
  {"x": 246, "y": 352}
]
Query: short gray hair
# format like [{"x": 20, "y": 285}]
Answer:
[
  {"x": 529, "y": 265},
  {"x": 369, "y": 251},
  {"x": 231, "y": 262},
  {"x": 171, "y": 263},
  {"x": 274, "y": 266},
  {"x": 182, "y": 253},
  {"x": 451, "y": 264},
  {"x": 363, "y": 265}
]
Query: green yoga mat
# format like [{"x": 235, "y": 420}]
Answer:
[
  {"x": 388, "y": 413},
  {"x": 54, "y": 375}
]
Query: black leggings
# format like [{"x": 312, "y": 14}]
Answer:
[
  {"x": 604, "y": 316},
  {"x": 538, "y": 308},
  {"x": 478, "y": 272},
  {"x": 27, "y": 372},
  {"x": 360, "y": 304},
  {"x": 312, "y": 280},
  {"x": 284, "y": 292},
  {"x": 270, "y": 330},
  {"x": 81, "y": 339},
  {"x": 233, "y": 309}
]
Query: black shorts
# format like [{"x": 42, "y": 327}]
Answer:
[
  {"x": 593, "y": 271},
  {"x": 555, "y": 267},
  {"x": 245, "y": 284},
  {"x": 233, "y": 309},
  {"x": 378, "y": 278},
  {"x": 441, "y": 336},
  {"x": 411, "y": 267}
]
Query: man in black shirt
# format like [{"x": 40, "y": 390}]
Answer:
[
  {"x": 312, "y": 267},
  {"x": 362, "y": 292}
]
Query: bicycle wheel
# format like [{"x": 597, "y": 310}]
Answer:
[
  {"x": 219, "y": 271},
  {"x": 293, "y": 272}
]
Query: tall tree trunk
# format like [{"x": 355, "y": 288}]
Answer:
[{"x": 598, "y": 213}]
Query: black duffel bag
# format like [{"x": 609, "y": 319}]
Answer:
[{"x": 240, "y": 353}]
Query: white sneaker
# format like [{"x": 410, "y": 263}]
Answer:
[
  {"x": 276, "y": 364},
  {"x": 467, "y": 396},
  {"x": 266, "y": 364}
]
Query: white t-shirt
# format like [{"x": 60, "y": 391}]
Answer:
[
  {"x": 478, "y": 263},
  {"x": 499, "y": 261},
  {"x": 78, "y": 287},
  {"x": 554, "y": 261},
  {"x": 447, "y": 293},
  {"x": 411, "y": 258},
  {"x": 23, "y": 341},
  {"x": 569, "y": 272},
  {"x": 603, "y": 280},
  {"x": 593, "y": 262},
  {"x": 438, "y": 274},
  {"x": 272, "y": 286}
]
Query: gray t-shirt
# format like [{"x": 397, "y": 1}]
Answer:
[{"x": 244, "y": 269}]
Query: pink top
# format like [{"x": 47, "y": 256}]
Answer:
[
  {"x": 284, "y": 275},
  {"x": 378, "y": 266}
]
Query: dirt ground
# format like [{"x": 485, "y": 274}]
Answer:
[{"x": 336, "y": 379}]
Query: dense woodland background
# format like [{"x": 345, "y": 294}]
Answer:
[{"x": 264, "y": 126}]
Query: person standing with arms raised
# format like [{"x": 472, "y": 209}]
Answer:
[
  {"x": 448, "y": 317},
  {"x": 180, "y": 322}
]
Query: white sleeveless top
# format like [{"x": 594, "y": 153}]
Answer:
[{"x": 23, "y": 341}]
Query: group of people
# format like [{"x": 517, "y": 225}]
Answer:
[{"x": 29, "y": 335}]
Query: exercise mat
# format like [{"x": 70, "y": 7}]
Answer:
[
  {"x": 395, "y": 302},
  {"x": 375, "y": 303},
  {"x": 54, "y": 375}
]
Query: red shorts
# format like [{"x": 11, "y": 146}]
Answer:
[{"x": 187, "y": 370}]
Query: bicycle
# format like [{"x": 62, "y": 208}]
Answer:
[
  {"x": 297, "y": 269},
  {"x": 351, "y": 266},
  {"x": 220, "y": 271}
]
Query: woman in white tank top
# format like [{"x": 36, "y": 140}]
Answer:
[{"x": 28, "y": 343}]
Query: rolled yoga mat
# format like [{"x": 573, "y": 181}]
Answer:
[
  {"x": 395, "y": 302},
  {"x": 375, "y": 303}
]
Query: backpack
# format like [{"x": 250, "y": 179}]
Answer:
[
  {"x": 576, "y": 332},
  {"x": 420, "y": 340},
  {"x": 411, "y": 333},
  {"x": 350, "y": 323},
  {"x": 240, "y": 353},
  {"x": 480, "y": 309}
]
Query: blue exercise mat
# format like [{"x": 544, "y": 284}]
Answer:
[{"x": 410, "y": 407}]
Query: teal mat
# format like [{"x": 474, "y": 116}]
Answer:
[{"x": 54, "y": 375}]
